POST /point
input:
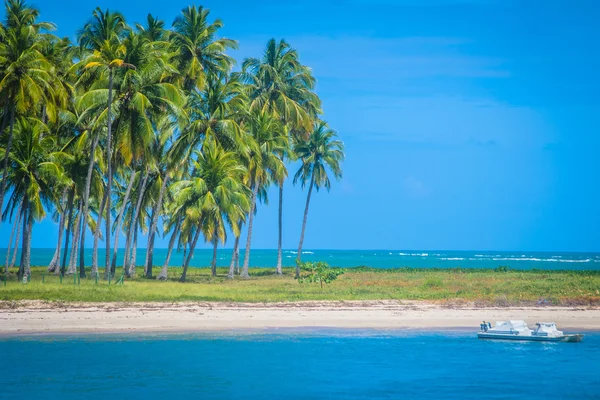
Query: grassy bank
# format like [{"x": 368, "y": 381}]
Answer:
[{"x": 487, "y": 287}]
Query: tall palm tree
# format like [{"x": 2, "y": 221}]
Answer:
[
  {"x": 144, "y": 97},
  {"x": 278, "y": 82},
  {"x": 266, "y": 138},
  {"x": 321, "y": 152},
  {"x": 102, "y": 36},
  {"x": 211, "y": 199},
  {"x": 33, "y": 173},
  {"x": 167, "y": 168},
  {"x": 25, "y": 77}
]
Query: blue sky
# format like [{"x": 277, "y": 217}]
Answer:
[{"x": 467, "y": 124}]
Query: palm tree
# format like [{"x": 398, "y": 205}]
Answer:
[
  {"x": 26, "y": 79},
  {"x": 32, "y": 175},
  {"x": 214, "y": 197},
  {"x": 103, "y": 37},
  {"x": 280, "y": 83},
  {"x": 321, "y": 152},
  {"x": 266, "y": 138},
  {"x": 167, "y": 167},
  {"x": 144, "y": 97}
]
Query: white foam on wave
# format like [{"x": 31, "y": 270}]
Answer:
[
  {"x": 539, "y": 259},
  {"x": 452, "y": 258}
]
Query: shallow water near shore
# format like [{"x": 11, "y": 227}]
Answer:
[
  {"x": 369, "y": 258},
  {"x": 297, "y": 364}
]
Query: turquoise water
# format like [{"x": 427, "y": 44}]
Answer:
[
  {"x": 303, "y": 365},
  {"x": 371, "y": 258}
]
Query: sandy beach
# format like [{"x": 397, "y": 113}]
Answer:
[{"x": 35, "y": 317}]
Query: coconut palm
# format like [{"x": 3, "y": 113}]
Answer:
[
  {"x": 25, "y": 77},
  {"x": 33, "y": 173},
  {"x": 278, "y": 82},
  {"x": 319, "y": 153},
  {"x": 266, "y": 138},
  {"x": 211, "y": 199},
  {"x": 102, "y": 36},
  {"x": 144, "y": 97},
  {"x": 167, "y": 167}
]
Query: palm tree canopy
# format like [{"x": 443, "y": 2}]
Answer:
[
  {"x": 321, "y": 152},
  {"x": 215, "y": 196},
  {"x": 35, "y": 167},
  {"x": 281, "y": 84},
  {"x": 199, "y": 51}
]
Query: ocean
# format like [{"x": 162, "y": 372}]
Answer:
[
  {"x": 309, "y": 364},
  {"x": 370, "y": 258}
]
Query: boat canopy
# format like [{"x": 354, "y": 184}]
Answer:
[{"x": 513, "y": 323}]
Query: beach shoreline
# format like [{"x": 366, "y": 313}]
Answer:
[{"x": 40, "y": 317}]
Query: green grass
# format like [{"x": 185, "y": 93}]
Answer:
[{"x": 486, "y": 287}]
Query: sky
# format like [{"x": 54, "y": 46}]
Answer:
[{"x": 468, "y": 125}]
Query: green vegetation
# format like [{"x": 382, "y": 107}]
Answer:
[
  {"x": 318, "y": 272},
  {"x": 146, "y": 128},
  {"x": 485, "y": 287}
]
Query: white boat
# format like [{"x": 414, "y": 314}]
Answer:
[{"x": 518, "y": 330}]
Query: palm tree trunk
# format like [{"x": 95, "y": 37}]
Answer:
[
  {"x": 163, "y": 273},
  {"x": 14, "y": 256},
  {"x": 97, "y": 237},
  {"x": 12, "y": 236},
  {"x": 213, "y": 264},
  {"x": 54, "y": 264},
  {"x": 68, "y": 233},
  {"x": 109, "y": 172},
  {"x": 73, "y": 259},
  {"x": 119, "y": 220},
  {"x": 26, "y": 248},
  {"x": 6, "y": 154},
  {"x": 134, "y": 251},
  {"x": 232, "y": 263},
  {"x": 236, "y": 252},
  {"x": 190, "y": 255},
  {"x": 237, "y": 256},
  {"x": 299, "y": 255},
  {"x": 152, "y": 232},
  {"x": 152, "y": 214},
  {"x": 86, "y": 201},
  {"x": 244, "y": 273},
  {"x": 280, "y": 226},
  {"x": 131, "y": 270},
  {"x": 127, "y": 249},
  {"x": 26, "y": 213}
]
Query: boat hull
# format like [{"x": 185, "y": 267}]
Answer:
[{"x": 564, "y": 338}]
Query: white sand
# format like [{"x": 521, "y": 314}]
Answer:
[{"x": 39, "y": 317}]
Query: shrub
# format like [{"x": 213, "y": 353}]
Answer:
[{"x": 318, "y": 272}]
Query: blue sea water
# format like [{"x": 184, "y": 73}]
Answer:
[
  {"x": 334, "y": 364},
  {"x": 370, "y": 258}
]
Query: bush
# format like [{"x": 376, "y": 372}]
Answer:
[{"x": 318, "y": 272}]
